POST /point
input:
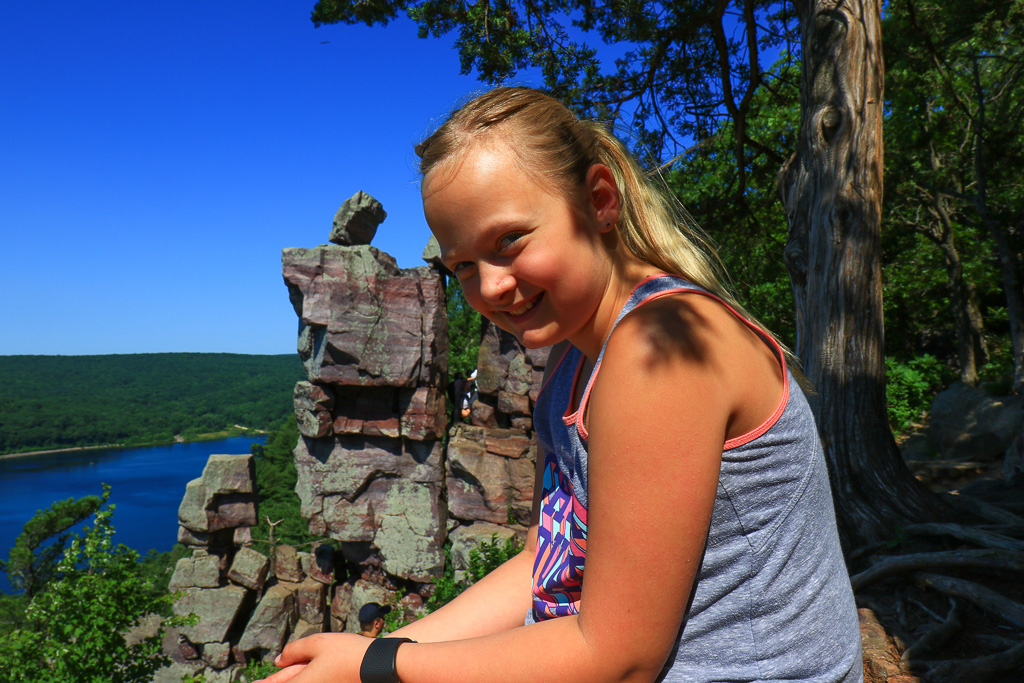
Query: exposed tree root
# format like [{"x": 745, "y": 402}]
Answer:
[
  {"x": 981, "y": 509},
  {"x": 980, "y": 669},
  {"x": 989, "y": 600},
  {"x": 1001, "y": 560},
  {"x": 972, "y": 535},
  {"x": 936, "y": 637}
]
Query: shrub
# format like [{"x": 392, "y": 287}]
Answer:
[
  {"x": 909, "y": 388},
  {"x": 74, "y": 628}
]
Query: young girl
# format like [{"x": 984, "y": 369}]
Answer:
[{"x": 683, "y": 527}]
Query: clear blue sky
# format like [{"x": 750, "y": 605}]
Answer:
[{"x": 156, "y": 158}]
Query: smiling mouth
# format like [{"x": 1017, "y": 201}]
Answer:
[{"x": 523, "y": 307}]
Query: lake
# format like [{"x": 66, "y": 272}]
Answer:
[{"x": 147, "y": 485}]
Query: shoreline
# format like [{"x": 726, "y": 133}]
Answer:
[
  {"x": 60, "y": 450},
  {"x": 75, "y": 449}
]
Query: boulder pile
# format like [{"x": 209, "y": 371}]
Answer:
[{"x": 247, "y": 603}]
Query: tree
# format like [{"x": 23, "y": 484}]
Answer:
[
  {"x": 464, "y": 331},
  {"x": 832, "y": 191},
  {"x": 960, "y": 71},
  {"x": 31, "y": 563},
  {"x": 275, "y": 481},
  {"x": 75, "y": 627}
]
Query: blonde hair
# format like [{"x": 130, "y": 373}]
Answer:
[{"x": 554, "y": 146}]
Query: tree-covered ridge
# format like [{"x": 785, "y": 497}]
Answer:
[{"x": 68, "y": 401}]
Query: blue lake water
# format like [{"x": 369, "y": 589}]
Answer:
[{"x": 147, "y": 485}]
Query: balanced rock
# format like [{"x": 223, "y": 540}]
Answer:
[
  {"x": 432, "y": 254},
  {"x": 357, "y": 220}
]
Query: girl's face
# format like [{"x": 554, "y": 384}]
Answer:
[{"x": 527, "y": 258}]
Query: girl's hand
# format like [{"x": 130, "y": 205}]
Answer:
[{"x": 323, "y": 657}]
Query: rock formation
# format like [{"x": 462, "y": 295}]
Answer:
[
  {"x": 247, "y": 605},
  {"x": 373, "y": 474},
  {"x": 373, "y": 338}
]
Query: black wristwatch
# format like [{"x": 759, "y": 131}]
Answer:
[{"x": 379, "y": 661}]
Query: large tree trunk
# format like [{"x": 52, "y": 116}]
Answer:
[{"x": 832, "y": 193}]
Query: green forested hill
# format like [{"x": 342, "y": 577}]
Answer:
[{"x": 64, "y": 401}]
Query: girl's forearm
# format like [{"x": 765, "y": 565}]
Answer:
[
  {"x": 497, "y": 602},
  {"x": 554, "y": 650}
]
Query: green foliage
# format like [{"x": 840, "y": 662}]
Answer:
[
  {"x": 275, "y": 480},
  {"x": 954, "y": 151},
  {"x": 485, "y": 558},
  {"x": 489, "y": 555},
  {"x": 74, "y": 628},
  {"x": 464, "y": 331},
  {"x": 395, "y": 619},
  {"x": 256, "y": 671},
  {"x": 31, "y": 565},
  {"x": 909, "y": 388},
  {"x": 12, "y": 613},
  {"x": 68, "y": 401}
]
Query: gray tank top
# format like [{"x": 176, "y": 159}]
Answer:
[{"x": 772, "y": 600}]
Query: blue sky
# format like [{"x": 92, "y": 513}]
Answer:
[{"x": 156, "y": 158}]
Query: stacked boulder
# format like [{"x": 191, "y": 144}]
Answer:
[
  {"x": 374, "y": 342},
  {"x": 246, "y": 605},
  {"x": 491, "y": 461}
]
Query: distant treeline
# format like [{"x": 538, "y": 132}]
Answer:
[{"x": 67, "y": 401}]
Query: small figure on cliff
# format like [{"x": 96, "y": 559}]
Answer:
[
  {"x": 682, "y": 473},
  {"x": 457, "y": 396},
  {"x": 371, "y": 619}
]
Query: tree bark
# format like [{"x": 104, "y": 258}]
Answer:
[{"x": 831, "y": 190}]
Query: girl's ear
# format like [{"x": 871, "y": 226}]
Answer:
[{"x": 604, "y": 196}]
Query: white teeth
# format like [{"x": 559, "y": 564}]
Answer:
[{"x": 522, "y": 309}]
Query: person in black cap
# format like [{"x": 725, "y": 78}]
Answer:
[{"x": 371, "y": 619}]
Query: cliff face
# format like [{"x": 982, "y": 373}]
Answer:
[{"x": 373, "y": 471}]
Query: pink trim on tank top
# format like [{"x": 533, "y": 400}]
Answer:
[
  {"x": 577, "y": 416},
  {"x": 553, "y": 371}
]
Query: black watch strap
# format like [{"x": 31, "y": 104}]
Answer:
[{"x": 379, "y": 661}]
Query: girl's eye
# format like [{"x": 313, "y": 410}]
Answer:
[
  {"x": 462, "y": 267},
  {"x": 509, "y": 240}
]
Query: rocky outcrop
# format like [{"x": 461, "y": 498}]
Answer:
[{"x": 373, "y": 338}]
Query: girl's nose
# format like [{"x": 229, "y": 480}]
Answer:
[{"x": 496, "y": 284}]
